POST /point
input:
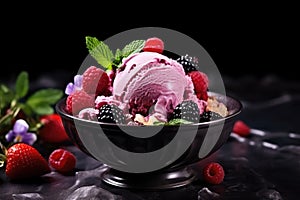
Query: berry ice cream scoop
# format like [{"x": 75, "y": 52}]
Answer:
[
  {"x": 141, "y": 85},
  {"x": 151, "y": 84}
]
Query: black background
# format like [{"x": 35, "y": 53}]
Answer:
[
  {"x": 257, "y": 41},
  {"x": 250, "y": 40}
]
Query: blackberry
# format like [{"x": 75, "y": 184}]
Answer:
[
  {"x": 110, "y": 113},
  {"x": 189, "y": 63},
  {"x": 187, "y": 110},
  {"x": 207, "y": 116}
]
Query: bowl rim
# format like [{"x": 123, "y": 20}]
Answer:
[{"x": 237, "y": 111}]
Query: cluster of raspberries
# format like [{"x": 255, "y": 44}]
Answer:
[{"x": 94, "y": 82}]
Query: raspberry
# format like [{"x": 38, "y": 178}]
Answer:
[
  {"x": 95, "y": 81},
  {"x": 77, "y": 101},
  {"x": 202, "y": 95},
  {"x": 62, "y": 160},
  {"x": 154, "y": 44},
  {"x": 200, "y": 81},
  {"x": 187, "y": 110},
  {"x": 241, "y": 128},
  {"x": 213, "y": 173}
]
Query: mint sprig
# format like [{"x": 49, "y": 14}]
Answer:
[
  {"x": 133, "y": 47},
  {"x": 173, "y": 122},
  {"x": 100, "y": 51},
  {"x": 105, "y": 56}
]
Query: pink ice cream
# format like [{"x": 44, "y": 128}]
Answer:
[{"x": 152, "y": 84}]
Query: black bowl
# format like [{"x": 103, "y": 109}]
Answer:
[{"x": 150, "y": 157}]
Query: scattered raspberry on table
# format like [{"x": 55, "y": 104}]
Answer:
[
  {"x": 62, "y": 160},
  {"x": 213, "y": 173},
  {"x": 241, "y": 128}
]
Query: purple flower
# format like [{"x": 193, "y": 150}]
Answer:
[
  {"x": 72, "y": 87},
  {"x": 20, "y": 134}
]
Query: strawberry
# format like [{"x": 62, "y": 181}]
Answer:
[
  {"x": 77, "y": 101},
  {"x": 95, "y": 81},
  {"x": 241, "y": 128},
  {"x": 52, "y": 129},
  {"x": 62, "y": 160},
  {"x": 213, "y": 173},
  {"x": 24, "y": 161},
  {"x": 200, "y": 81},
  {"x": 154, "y": 44}
]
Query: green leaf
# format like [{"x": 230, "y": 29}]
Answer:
[
  {"x": 99, "y": 51},
  {"x": 42, "y": 108},
  {"x": 118, "y": 55},
  {"x": 22, "y": 85},
  {"x": 5, "y": 121},
  {"x": 2, "y": 160},
  {"x": 49, "y": 96},
  {"x": 26, "y": 109},
  {"x": 158, "y": 123},
  {"x": 173, "y": 122},
  {"x": 6, "y": 96},
  {"x": 42, "y": 100},
  {"x": 178, "y": 121},
  {"x": 133, "y": 47},
  {"x": 4, "y": 88}
]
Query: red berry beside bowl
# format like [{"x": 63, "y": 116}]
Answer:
[{"x": 62, "y": 160}]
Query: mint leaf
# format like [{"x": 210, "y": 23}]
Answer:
[
  {"x": 118, "y": 56},
  {"x": 105, "y": 57},
  {"x": 133, "y": 47},
  {"x": 173, "y": 122},
  {"x": 22, "y": 85},
  {"x": 178, "y": 122},
  {"x": 99, "y": 51},
  {"x": 159, "y": 123}
]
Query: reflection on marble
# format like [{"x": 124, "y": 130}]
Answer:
[
  {"x": 206, "y": 194},
  {"x": 251, "y": 172}
]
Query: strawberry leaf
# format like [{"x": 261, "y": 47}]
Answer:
[
  {"x": 22, "y": 85},
  {"x": 6, "y": 96},
  {"x": 42, "y": 108},
  {"x": 49, "y": 96},
  {"x": 2, "y": 160},
  {"x": 41, "y": 101}
]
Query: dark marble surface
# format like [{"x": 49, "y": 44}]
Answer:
[{"x": 258, "y": 167}]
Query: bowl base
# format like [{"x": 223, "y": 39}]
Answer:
[{"x": 164, "y": 179}]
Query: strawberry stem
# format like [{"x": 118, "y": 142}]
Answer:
[
  {"x": 13, "y": 113},
  {"x": 2, "y": 160},
  {"x": 2, "y": 156}
]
